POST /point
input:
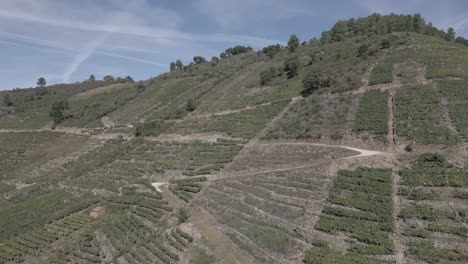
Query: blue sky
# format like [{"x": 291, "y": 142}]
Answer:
[{"x": 67, "y": 40}]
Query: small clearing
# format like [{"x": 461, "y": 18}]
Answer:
[
  {"x": 107, "y": 122},
  {"x": 158, "y": 184}
]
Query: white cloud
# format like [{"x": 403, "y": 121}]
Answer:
[{"x": 133, "y": 30}]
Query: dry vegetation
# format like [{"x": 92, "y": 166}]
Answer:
[{"x": 248, "y": 159}]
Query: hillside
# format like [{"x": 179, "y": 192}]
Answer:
[{"x": 350, "y": 148}]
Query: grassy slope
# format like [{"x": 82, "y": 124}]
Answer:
[{"x": 119, "y": 172}]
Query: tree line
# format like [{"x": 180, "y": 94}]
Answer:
[{"x": 377, "y": 24}]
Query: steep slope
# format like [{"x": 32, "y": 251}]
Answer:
[{"x": 225, "y": 161}]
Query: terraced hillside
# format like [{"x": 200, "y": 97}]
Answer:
[{"x": 242, "y": 160}]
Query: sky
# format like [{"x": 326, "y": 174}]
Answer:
[{"x": 66, "y": 41}]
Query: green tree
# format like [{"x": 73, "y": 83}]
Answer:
[
  {"x": 461, "y": 40},
  {"x": 41, "y": 81},
  {"x": 7, "y": 100},
  {"x": 450, "y": 35},
  {"x": 419, "y": 24},
  {"x": 57, "y": 111},
  {"x": 382, "y": 27},
  {"x": 271, "y": 50},
  {"x": 108, "y": 78},
  {"x": 179, "y": 64},
  {"x": 223, "y": 55},
  {"x": 228, "y": 52},
  {"x": 129, "y": 79},
  {"x": 313, "y": 81},
  {"x": 267, "y": 76},
  {"x": 338, "y": 32},
  {"x": 214, "y": 61},
  {"x": 92, "y": 77},
  {"x": 172, "y": 66},
  {"x": 190, "y": 106},
  {"x": 198, "y": 59},
  {"x": 293, "y": 42},
  {"x": 362, "y": 50},
  {"x": 291, "y": 67}
]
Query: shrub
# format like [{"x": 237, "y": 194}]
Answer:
[
  {"x": 362, "y": 50},
  {"x": 267, "y": 76},
  {"x": 182, "y": 215},
  {"x": 386, "y": 44},
  {"x": 57, "y": 111},
  {"x": 408, "y": 148},
  {"x": 313, "y": 81},
  {"x": 271, "y": 50},
  {"x": 190, "y": 106},
  {"x": 291, "y": 67}
]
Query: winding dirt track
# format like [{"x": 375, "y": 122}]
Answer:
[{"x": 362, "y": 153}]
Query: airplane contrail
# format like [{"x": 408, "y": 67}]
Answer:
[{"x": 87, "y": 50}]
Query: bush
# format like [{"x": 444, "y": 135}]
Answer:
[
  {"x": 271, "y": 50},
  {"x": 313, "y": 81},
  {"x": 182, "y": 215},
  {"x": 386, "y": 44},
  {"x": 291, "y": 67},
  {"x": 267, "y": 76},
  {"x": 57, "y": 111},
  {"x": 190, "y": 106},
  {"x": 362, "y": 50},
  {"x": 408, "y": 148}
]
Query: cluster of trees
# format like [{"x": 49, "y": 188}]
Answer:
[
  {"x": 461, "y": 40},
  {"x": 238, "y": 49},
  {"x": 377, "y": 24},
  {"x": 110, "y": 78},
  {"x": 271, "y": 50},
  {"x": 176, "y": 66}
]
